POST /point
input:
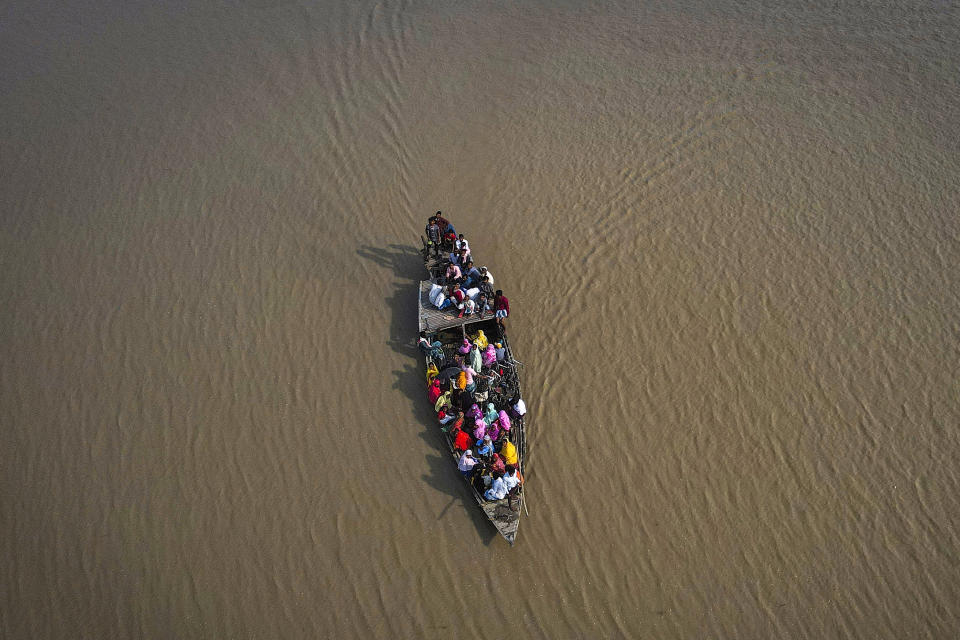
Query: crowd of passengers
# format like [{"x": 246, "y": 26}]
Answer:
[
  {"x": 479, "y": 429},
  {"x": 461, "y": 285}
]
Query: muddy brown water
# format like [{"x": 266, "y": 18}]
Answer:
[{"x": 729, "y": 233}]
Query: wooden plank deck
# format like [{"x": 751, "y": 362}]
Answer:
[{"x": 431, "y": 319}]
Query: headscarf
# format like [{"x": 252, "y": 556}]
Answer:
[
  {"x": 434, "y": 391},
  {"x": 442, "y": 401},
  {"x": 465, "y": 347},
  {"x": 481, "y": 340},
  {"x": 494, "y": 430},
  {"x": 491, "y": 413},
  {"x": 480, "y": 430},
  {"x": 504, "y": 420},
  {"x": 509, "y": 452},
  {"x": 467, "y": 461},
  {"x": 497, "y": 465},
  {"x": 490, "y": 355}
]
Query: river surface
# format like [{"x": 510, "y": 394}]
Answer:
[{"x": 729, "y": 233}]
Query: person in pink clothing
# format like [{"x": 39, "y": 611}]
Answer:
[
  {"x": 490, "y": 356},
  {"x": 479, "y": 429},
  {"x": 453, "y": 274}
]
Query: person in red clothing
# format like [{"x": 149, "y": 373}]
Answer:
[
  {"x": 501, "y": 307},
  {"x": 434, "y": 391},
  {"x": 461, "y": 441},
  {"x": 458, "y": 296}
]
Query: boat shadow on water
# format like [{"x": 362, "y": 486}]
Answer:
[{"x": 406, "y": 263}]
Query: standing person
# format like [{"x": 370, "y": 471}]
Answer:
[
  {"x": 476, "y": 358},
  {"x": 442, "y": 222},
  {"x": 433, "y": 235},
  {"x": 501, "y": 308}
]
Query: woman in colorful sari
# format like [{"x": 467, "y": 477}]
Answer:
[{"x": 490, "y": 356}]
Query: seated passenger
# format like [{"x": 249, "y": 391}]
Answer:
[
  {"x": 469, "y": 307},
  {"x": 504, "y": 420},
  {"x": 512, "y": 478},
  {"x": 474, "y": 412},
  {"x": 518, "y": 406},
  {"x": 432, "y": 349},
  {"x": 461, "y": 441},
  {"x": 486, "y": 278},
  {"x": 497, "y": 490},
  {"x": 466, "y": 463},
  {"x": 444, "y": 400},
  {"x": 463, "y": 245},
  {"x": 497, "y": 465},
  {"x": 509, "y": 453},
  {"x": 457, "y": 424},
  {"x": 481, "y": 340},
  {"x": 464, "y": 348},
  {"x": 434, "y": 391},
  {"x": 439, "y": 299},
  {"x": 471, "y": 385},
  {"x": 483, "y": 305},
  {"x": 485, "y": 447},
  {"x": 479, "y": 431},
  {"x": 472, "y": 274},
  {"x": 458, "y": 296},
  {"x": 453, "y": 274},
  {"x": 494, "y": 431},
  {"x": 501, "y": 352},
  {"x": 444, "y": 417},
  {"x": 490, "y": 356},
  {"x": 491, "y": 414}
]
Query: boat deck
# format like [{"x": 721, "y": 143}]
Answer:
[{"x": 431, "y": 319}]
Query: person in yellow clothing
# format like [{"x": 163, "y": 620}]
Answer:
[
  {"x": 509, "y": 453},
  {"x": 481, "y": 339}
]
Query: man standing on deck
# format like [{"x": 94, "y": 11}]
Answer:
[
  {"x": 501, "y": 308},
  {"x": 433, "y": 235}
]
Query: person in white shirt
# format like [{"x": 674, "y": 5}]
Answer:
[
  {"x": 486, "y": 276},
  {"x": 467, "y": 463},
  {"x": 497, "y": 490},
  {"x": 517, "y": 407},
  {"x": 511, "y": 479}
]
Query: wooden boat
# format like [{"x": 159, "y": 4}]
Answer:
[{"x": 499, "y": 388}]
